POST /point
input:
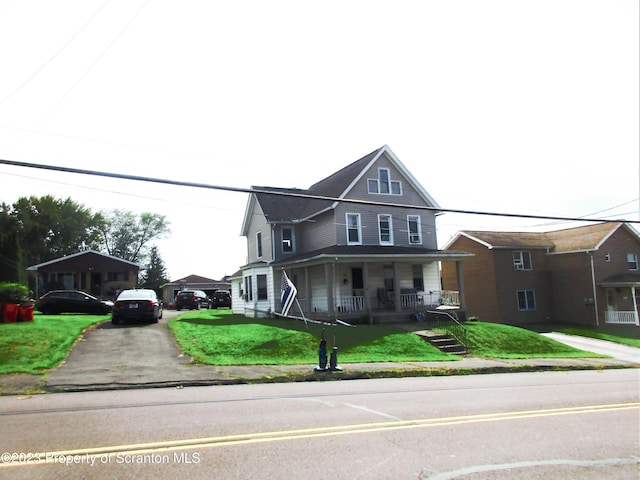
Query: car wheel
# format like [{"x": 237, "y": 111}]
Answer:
[{"x": 115, "y": 321}]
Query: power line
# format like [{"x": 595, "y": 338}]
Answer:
[{"x": 122, "y": 176}]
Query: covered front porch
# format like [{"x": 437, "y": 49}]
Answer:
[
  {"x": 375, "y": 289},
  {"x": 622, "y": 299}
]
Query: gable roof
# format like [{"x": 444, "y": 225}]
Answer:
[
  {"x": 578, "y": 239},
  {"x": 291, "y": 205},
  {"x": 78, "y": 254}
]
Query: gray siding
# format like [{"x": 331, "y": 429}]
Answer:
[{"x": 258, "y": 223}]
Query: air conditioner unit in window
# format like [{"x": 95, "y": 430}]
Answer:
[{"x": 519, "y": 266}]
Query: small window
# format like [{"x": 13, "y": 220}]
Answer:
[
  {"x": 354, "y": 235},
  {"x": 413, "y": 226},
  {"x": 373, "y": 185},
  {"x": 385, "y": 229},
  {"x": 259, "y": 244},
  {"x": 526, "y": 300},
  {"x": 262, "y": 287},
  {"x": 522, "y": 260},
  {"x": 287, "y": 240},
  {"x": 607, "y": 257},
  {"x": 632, "y": 261}
]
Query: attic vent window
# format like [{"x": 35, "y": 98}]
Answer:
[{"x": 383, "y": 184}]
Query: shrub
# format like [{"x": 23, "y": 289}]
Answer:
[{"x": 13, "y": 292}]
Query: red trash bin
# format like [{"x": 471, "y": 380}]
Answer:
[
  {"x": 26, "y": 313},
  {"x": 10, "y": 312}
]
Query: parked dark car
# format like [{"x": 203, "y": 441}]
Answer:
[
  {"x": 137, "y": 304},
  {"x": 192, "y": 300},
  {"x": 221, "y": 298},
  {"x": 72, "y": 301}
]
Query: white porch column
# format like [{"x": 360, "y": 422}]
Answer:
[
  {"x": 635, "y": 305},
  {"x": 329, "y": 269},
  {"x": 396, "y": 288},
  {"x": 463, "y": 302}
]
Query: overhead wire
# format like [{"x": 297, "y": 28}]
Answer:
[{"x": 289, "y": 193}]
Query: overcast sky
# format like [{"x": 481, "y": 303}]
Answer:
[{"x": 528, "y": 107}]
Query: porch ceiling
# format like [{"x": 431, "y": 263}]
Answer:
[
  {"x": 375, "y": 253},
  {"x": 627, "y": 279}
]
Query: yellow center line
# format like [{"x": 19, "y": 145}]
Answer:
[{"x": 261, "y": 437}]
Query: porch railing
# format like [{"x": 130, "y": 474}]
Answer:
[
  {"x": 408, "y": 301},
  {"x": 626, "y": 318}
]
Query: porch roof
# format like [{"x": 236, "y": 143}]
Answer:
[
  {"x": 375, "y": 253},
  {"x": 626, "y": 279}
]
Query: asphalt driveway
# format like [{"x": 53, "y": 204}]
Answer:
[{"x": 125, "y": 355}]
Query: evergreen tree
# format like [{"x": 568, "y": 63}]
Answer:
[{"x": 156, "y": 273}]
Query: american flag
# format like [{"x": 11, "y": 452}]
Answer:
[{"x": 287, "y": 295}]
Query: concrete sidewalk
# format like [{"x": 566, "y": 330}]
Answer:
[{"x": 199, "y": 375}]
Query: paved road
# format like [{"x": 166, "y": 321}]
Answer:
[{"x": 539, "y": 425}]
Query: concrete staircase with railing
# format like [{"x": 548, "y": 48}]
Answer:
[{"x": 443, "y": 342}]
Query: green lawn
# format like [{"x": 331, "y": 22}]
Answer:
[
  {"x": 33, "y": 347},
  {"x": 218, "y": 337}
]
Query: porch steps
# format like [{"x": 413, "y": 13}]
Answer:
[{"x": 443, "y": 342}]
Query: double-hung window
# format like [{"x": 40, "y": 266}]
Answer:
[
  {"x": 413, "y": 226},
  {"x": 526, "y": 300},
  {"x": 385, "y": 229},
  {"x": 522, "y": 260},
  {"x": 354, "y": 229},
  {"x": 632, "y": 261}
]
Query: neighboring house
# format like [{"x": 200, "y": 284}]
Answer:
[
  {"x": 192, "y": 282},
  {"x": 586, "y": 275},
  {"x": 99, "y": 274},
  {"x": 348, "y": 260}
]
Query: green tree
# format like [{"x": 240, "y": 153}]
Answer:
[
  {"x": 47, "y": 228},
  {"x": 126, "y": 236},
  {"x": 155, "y": 273},
  {"x": 10, "y": 253}
]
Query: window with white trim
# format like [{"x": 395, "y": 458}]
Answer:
[
  {"x": 526, "y": 300},
  {"x": 632, "y": 261},
  {"x": 385, "y": 229},
  {"x": 413, "y": 227},
  {"x": 383, "y": 184},
  {"x": 287, "y": 240},
  {"x": 354, "y": 230},
  {"x": 262, "y": 287},
  {"x": 259, "y": 244},
  {"x": 522, "y": 260}
]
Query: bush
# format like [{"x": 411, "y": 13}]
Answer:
[{"x": 13, "y": 292}]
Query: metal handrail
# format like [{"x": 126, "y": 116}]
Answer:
[{"x": 451, "y": 325}]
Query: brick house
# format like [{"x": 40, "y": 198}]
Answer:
[
  {"x": 362, "y": 249},
  {"x": 97, "y": 273},
  {"x": 586, "y": 275}
]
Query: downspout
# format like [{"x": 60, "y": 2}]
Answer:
[{"x": 593, "y": 286}]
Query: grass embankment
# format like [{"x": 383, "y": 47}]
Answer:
[
  {"x": 33, "y": 347},
  {"x": 218, "y": 337},
  {"x": 221, "y": 338}
]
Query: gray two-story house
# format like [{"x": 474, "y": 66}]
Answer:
[{"x": 359, "y": 245}]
